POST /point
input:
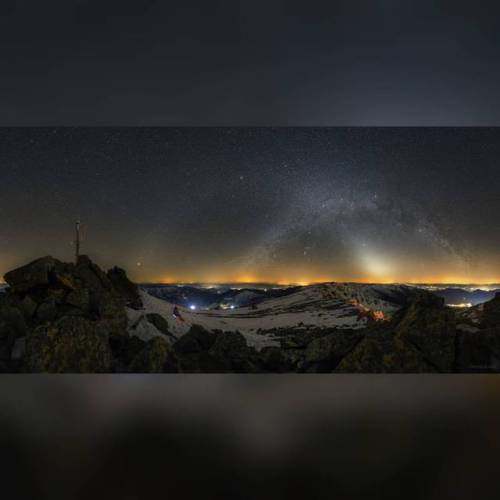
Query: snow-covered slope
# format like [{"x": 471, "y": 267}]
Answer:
[{"x": 329, "y": 305}]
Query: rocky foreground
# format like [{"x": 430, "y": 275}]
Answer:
[{"x": 72, "y": 318}]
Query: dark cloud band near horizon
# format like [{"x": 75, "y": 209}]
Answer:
[{"x": 270, "y": 204}]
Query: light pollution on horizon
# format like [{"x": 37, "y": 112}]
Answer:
[
  {"x": 253, "y": 280},
  {"x": 300, "y": 277}
]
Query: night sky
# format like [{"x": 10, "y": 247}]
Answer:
[
  {"x": 249, "y": 62},
  {"x": 257, "y": 204},
  {"x": 253, "y": 204}
]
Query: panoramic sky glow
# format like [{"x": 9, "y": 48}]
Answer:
[{"x": 284, "y": 205}]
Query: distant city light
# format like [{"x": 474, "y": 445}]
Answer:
[
  {"x": 192, "y": 307},
  {"x": 232, "y": 306}
]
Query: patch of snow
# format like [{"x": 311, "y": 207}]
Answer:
[{"x": 329, "y": 305}]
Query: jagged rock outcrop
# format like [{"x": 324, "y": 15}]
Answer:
[
  {"x": 39, "y": 273},
  {"x": 71, "y": 311},
  {"x": 192, "y": 350},
  {"x": 419, "y": 339},
  {"x": 124, "y": 349},
  {"x": 202, "y": 351},
  {"x": 230, "y": 353},
  {"x": 125, "y": 287},
  {"x": 323, "y": 354},
  {"x": 72, "y": 318},
  {"x": 429, "y": 327}
]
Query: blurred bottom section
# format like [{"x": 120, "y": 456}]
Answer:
[{"x": 251, "y": 437}]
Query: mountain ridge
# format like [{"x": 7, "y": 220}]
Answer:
[{"x": 75, "y": 317}]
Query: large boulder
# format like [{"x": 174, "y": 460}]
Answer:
[
  {"x": 68, "y": 314},
  {"x": 32, "y": 275},
  {"x": 380, "y": 352},
  {"x": 323, "y": 354},
  {"x": 419, "y": 339},
  {"x": 192, "y": 350},
  {"x": 197, "y": 339},
  {"x": 91, "y": 275},
  {"x": 70, "y": 345},
  {"x": 491, "y": 312},
  {"x": 405, "y": 344},
  {"x": 125, "y": 287},
  {"x": 159, "y": 322},
  {"x": 124, "y": 349},
  {"x": 430, "y": 328},
  {"x": 157, "y": 356},
  {"x": 478, "y": 351},
  {"x": 230, "y": 353},
  {"x": 79, "y": 298}
]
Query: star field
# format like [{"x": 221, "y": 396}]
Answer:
[{"x": 257, "y": 204}]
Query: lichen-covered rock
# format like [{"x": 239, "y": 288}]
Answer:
[
  {"x": 419, "y": 339},
  {"x": 157, "y": 356},
  {"x": 79, "y": 298},
  {"x": 47, "y": 311},
  {"x": 406, "y": 358},
  {"x": 70, "y": 345},
  {"x": 367, "y": 356},
  {"x": 58, "y": 295},
  {"x": 111, "y": 311},
  {"x": 69, "y": 313}
]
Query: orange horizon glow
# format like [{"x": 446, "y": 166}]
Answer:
[
  {"x": 302, "y": 278},
  {"x": 244, "y": 280}
]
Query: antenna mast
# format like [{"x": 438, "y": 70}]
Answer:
[{"x": 77, "y": 240}]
